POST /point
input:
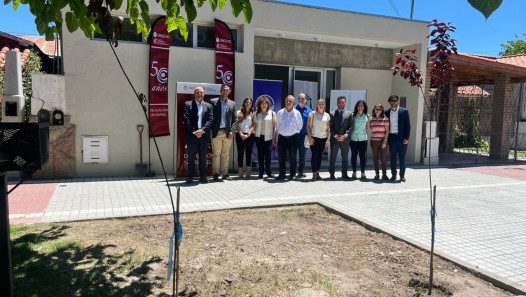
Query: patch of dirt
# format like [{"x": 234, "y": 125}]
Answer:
[{"x": 294, "y": 251}]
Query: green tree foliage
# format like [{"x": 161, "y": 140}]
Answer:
[
  {"x": 486, "y": 7},
  {"x": 95, "y": 15},
  {"x": 33, "y": 65},
  {"x": 514, "y": 47}
]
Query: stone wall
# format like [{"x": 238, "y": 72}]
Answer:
[{"x": 61, "y": 162}]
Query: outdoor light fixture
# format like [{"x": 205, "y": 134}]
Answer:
[{"x": 58, "y": 118}]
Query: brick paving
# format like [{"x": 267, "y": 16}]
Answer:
[{"x": 481, "y": 220}]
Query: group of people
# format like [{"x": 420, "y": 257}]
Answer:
[{"x": 293, "y": 129}]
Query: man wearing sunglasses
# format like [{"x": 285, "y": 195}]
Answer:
[{"x": 399, "y": 130}]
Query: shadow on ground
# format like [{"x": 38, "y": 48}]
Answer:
[{"x": 46, "y": 265}]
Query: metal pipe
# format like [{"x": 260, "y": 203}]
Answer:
[
  {"x": 517, "y": 122},
  {"x": 412, "y": 8}
]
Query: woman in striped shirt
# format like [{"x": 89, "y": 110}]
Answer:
[{"x": 379, "y": 125}]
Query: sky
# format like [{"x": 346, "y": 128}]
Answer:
[{"x": 474, "y": 34}]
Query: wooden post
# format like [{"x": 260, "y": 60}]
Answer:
[
  {"x": 6, "y": 268},
  {"x": 433, "y": 211}
]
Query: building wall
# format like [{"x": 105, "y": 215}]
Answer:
[
  {"x": 378, "y": 83},
  {"x": 49, "y": 91},
  {"x": 320, "y": 54},
  {"x": 100, "y": 101}
]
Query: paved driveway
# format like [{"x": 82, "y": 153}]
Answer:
[{"x": 481, "y": 220}]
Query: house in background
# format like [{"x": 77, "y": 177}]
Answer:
[
  {"x": 48, "y": 51},
  {"x": 483, "y": 114},
  {"x": 338, "y": 50}
]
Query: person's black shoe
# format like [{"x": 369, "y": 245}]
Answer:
[
  {"x": 280, "y": 177},
  {"x": 203, "y": 180},
  {"x": 189, "y": 180},
  {"x": 376, "y": 177},
  {"x": 302, "y": 175},
  {"x": 332, "y": 177},
  {"x": 216, "y": 176},
  {"x": 270, "y": 175},
  {"x": 402, "y": 179},
  {"x": 260, "y": 176},
  {"x": 384, "y": 177},
  {"x": 292, "y": 177},
  {"x": 393, "y": 178},
  {"x": 227, "y": 177},
  {"x": 345, "y": 176}
]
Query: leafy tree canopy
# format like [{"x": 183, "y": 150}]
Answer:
[
  {"x": 96, "y": 14},
  {"x": 514, "y": 47}
]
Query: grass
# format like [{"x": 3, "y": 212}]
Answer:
[{"x": 46, "y": 264}]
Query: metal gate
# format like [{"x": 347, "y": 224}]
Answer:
[{"x": 465, "y": 121}]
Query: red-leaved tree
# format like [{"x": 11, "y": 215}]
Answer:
[{"x": 440, "y": 75}]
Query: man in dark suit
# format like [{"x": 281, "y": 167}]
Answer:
[
  {"x": 399, "y": 130},
  {"x": 341, "y": 127},
  {"x": 197, "y": 120},
  {"x": 223, "y": 129}
]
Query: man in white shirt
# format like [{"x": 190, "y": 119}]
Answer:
[{"x": 289, "y": 124}]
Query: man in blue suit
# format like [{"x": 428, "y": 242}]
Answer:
[
  {"x": 399, "y": 130},
  {"x": 197, "y": 120}
]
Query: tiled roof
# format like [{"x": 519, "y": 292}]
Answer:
[
  {"x": 24, "y": 44},
  {"x": 511, "y": 64},
  {"x": 472, "y": 91},
  {"x": 47, "y": 47},
  {"x": 518, "y": 60},
  {"x": 5, "y": 49}
]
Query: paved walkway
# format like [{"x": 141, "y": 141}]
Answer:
[{"x": 481, "y": 221}]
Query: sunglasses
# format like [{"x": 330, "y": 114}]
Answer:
[{"x": 378, "y": 109}]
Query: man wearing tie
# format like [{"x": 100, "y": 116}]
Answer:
[
  {"x": 399, "y": 130},
  {"x": 197, "y": 120},
  {"x": 341, "y": 127}
]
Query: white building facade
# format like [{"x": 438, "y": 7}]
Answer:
[{"x": 337, "y": 49}]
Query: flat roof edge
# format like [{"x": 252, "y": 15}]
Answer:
[{"x": 347, "y": 11}]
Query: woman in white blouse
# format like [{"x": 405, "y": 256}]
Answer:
[
  {"x": 245, "y": 136},
  {"x": 319, "y": 133},
  {"x": 265, "y": 134}
]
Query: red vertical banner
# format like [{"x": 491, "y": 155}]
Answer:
[
  {"x": 158, "y": 87},
  {"x": 225, "y": 62}
]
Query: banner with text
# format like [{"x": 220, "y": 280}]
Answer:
[
  {"x": 272, "y": 89},
  {"x": 225, "y": 61},
  {"x": 185, "y": 92},
  {"x": 158, "y": 86}
]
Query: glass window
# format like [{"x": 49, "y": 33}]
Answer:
[
  {"x": 129, "y": 32},
  {"x": 178, "y": 40},
  {"x": 206, "y": 36}
]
